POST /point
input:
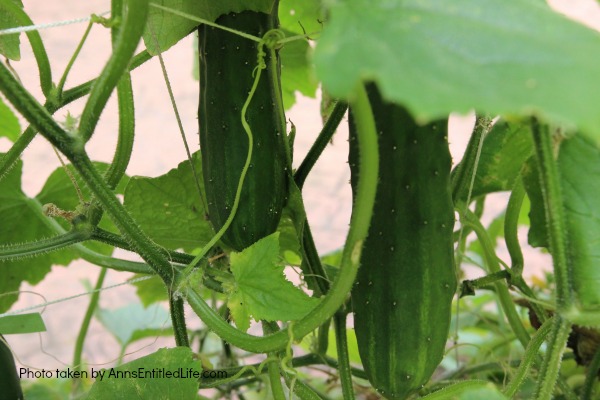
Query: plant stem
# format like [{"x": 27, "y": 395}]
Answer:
[
  {"x": 464, "y": 175},
  {"x": 63, "y": 78},
  {"x": 83, "y": 330},
  {"x": 531, "y": 354},
  {"x": 321, "y": 143},
  {"x": 591, "y": 377},
  {"x": 548, "y": 375},
  {"x": 31, "y": 249},
  {"x": 339, "y": 323},
  {"x": 359, "y": 226},
  {"x": 130, "y": 33}
]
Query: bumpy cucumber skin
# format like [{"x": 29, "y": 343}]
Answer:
[
  {"x": 226, "y": 65},
  {"x": 403, "y": 293},
  {"x": 10, "y": 384}
]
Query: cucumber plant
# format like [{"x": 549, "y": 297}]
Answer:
[{"x": 218, "y": 232}]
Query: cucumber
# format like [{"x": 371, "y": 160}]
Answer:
[
  {"x": 226, "y": 64},
  {"x": 403, "y": 293},
  {"x": 9, "y": 379}
]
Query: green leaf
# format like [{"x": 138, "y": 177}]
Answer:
[
  {"x": 9, "y": 123},
  {"x": 437, "y": 56},
  {"x": 23, "y": 221},
  {"x": 260, "y": 289},
  {"x": 467, "y": 390},
  {"x": 297, "y": 72},
  {"x": 301, "y": 17},
  {"x": 22, "y": 323},
  {"x": 169, "y": 208},
  {"x": 9, "y": 44},
  {"x": 134, "y": 322},
  {"x": 505, "y": 150},
  {"x": 167, "y": 28},
  {"x": 151, "y": 291},
  {"x": 179, "y": 359}
]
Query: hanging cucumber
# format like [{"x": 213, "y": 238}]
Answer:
[
  {"x": 403, "y": 292},
  {"x": 226, "y": 63}
]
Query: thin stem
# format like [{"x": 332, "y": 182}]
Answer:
[
  {"x": 553, "y": 205},
  {"x": 43, "y": 246},
  {"x": 359, "y": 226},
  {"x": 63, "y": 78},
  {"x": 178, "y": 319},
  {"x": 85, "y": 325},
  {"x": 511, "y": 225},
  {"x": 321, "y": 143},
  {"x": 531, "y": 353},
  {"x": 273, "y": 365},
  {"x": 339, "y": 323},
  {"x": 301, "y": 389},
  {"x": 469, "y": 219},
  {"x": 39, "y": 51},
  {"x": 130, "y": 33},
  {"x": 323, "y": 338},
  {"x": 463, "y": 177},
  {"x": 559, "y": 334},
  {"x": 591, "y": 377}
]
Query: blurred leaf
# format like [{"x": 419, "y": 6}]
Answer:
[
  {"x": 301, "y": 17},
  {"x": 134, "y": 322},
  {"x": 179, "y": 359},
  {"x": 9, "y": 123},
  {"x": 297, "y": 72},
  {"x": 22, "y": 323},
  {"x": 168, "y": 207},
  {"x": 10, "y": 44},
  {"x": 170, "y": 28},
  {"x": 151, "y": 290},
  {"x": 260, "y": 289},
  {"x": 437, "y": 56}
]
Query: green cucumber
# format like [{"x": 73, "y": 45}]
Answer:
[
  {"x": 10, "y": 383},
  {"x": 404, "y": 288},
  {"x": 226, "y": 63}
]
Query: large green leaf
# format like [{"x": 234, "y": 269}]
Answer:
[
  {"x": 260, "y": 289},
  {"x": 301, "y": 17},
  {"x": 22, "y": 221},
  {"x": 438, "y": 56},
  {"x": 167, "y": 28},
  {"x": 9, "y": 44},
  {"x": 169, "y": 208},
  {"x": 297, "y": 73},
  {"x": 147, "y": 377}
]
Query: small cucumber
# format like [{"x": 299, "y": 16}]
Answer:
[
  {"x": 226, "y": 63},
  {"x": 403, "y": 293}
]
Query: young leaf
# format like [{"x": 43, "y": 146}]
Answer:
[
  {"x": 260, "y": 289},
  {"x": 10, "y": 44},
  {"x": 179, "y": 359},
  {"x": 9, "y": 123},
  {"x": 169, "y": 208},
  {"x": 301, "y": 17},
  {"x": 169, "y": 28},
  {"x": 22, "y": 323},
  {"x": 437, "y": 56}
]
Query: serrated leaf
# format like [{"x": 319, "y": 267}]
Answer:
[
  {"x": 134, "y": 322},
  {"x": 169, "y": 208},
  {"x": 505, "y": 149},
  {"x": 22, "y": 221},
  {"x": 297, "y": 72},
  {"x": 10, "y": 44},
  {"x": 260, "y": 289},
  {"x": 9, "y": 123},
  {"x": 22, "y": 323},
  {"x": 437, "y": 56},
  {"x": 167, "y": 28},
  {"x": 179, "y": 359}
]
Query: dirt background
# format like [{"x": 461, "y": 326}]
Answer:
[{"x": 158, "y": 149}]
